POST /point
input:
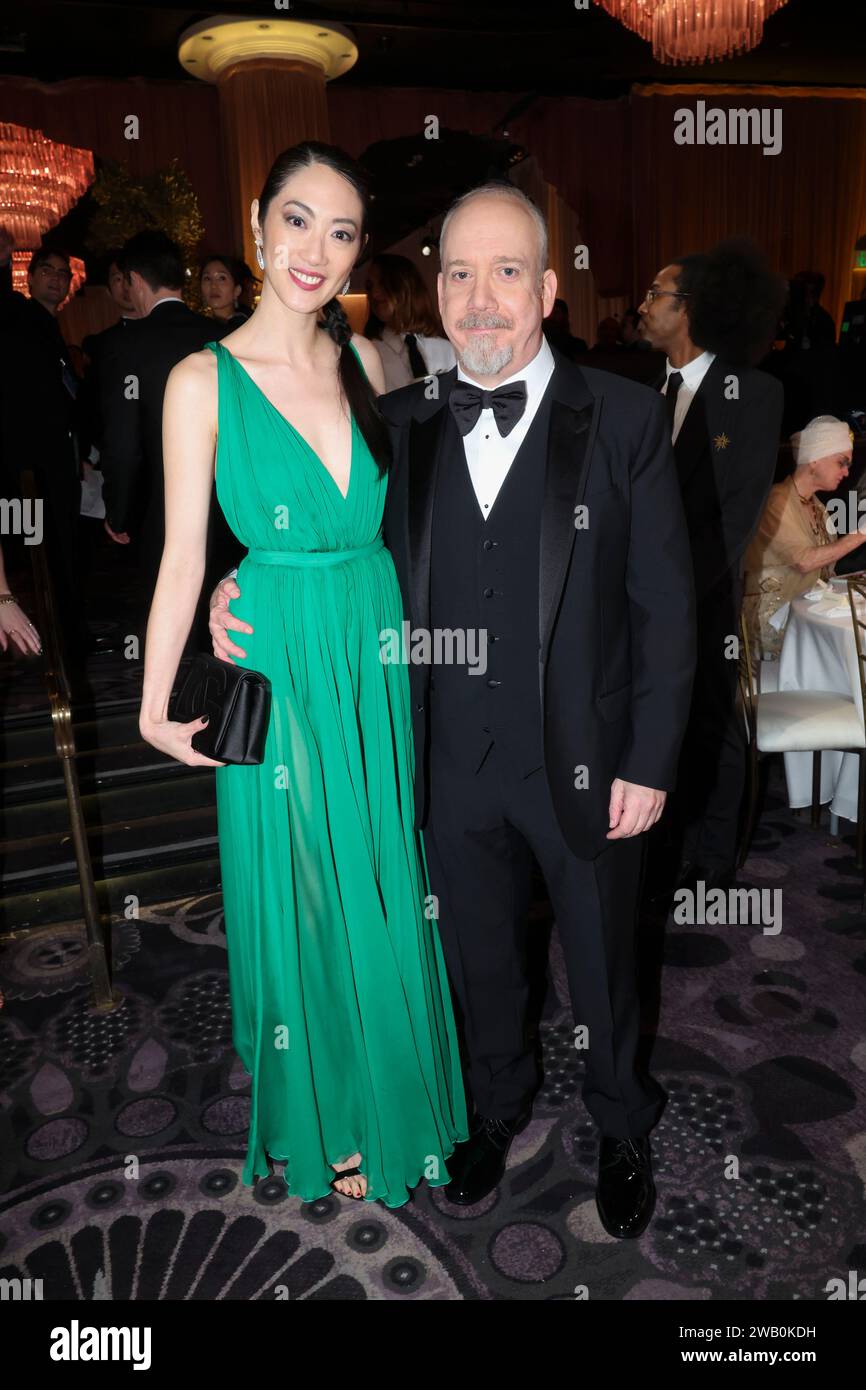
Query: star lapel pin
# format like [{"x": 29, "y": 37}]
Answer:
[{"x": 721, "y": 441}]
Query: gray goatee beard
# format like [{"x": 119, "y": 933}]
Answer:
[{"x": 480, "y": 356}]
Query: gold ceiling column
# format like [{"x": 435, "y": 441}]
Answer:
[{"x": 270, "y": 75}]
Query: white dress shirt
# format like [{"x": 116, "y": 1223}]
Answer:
[
  {"x": 488, "y": 455},
  {"x": 438, "y": 356},
  {"x": 693, "y": 374},
  {"x": 166, "y": 299}
]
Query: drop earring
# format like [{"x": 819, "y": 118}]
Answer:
[
  {"x": 259, "y": 256},
  {"x": 345, "y": 289}
]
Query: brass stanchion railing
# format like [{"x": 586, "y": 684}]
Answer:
[{"x": 60, "y": 703}]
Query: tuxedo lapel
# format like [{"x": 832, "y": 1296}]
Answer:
[
  {"x": 569, "y": 451},
  {"x": 425, "y": 439},
  {"x": 691, "y": 442}
]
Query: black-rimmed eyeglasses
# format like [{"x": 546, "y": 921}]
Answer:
[{"x": 657, "y": 294}]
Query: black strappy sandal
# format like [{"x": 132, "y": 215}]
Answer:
[{"x": 347, "y": 1173}]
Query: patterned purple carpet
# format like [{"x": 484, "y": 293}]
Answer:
[{"x": 123, "y": 1136}]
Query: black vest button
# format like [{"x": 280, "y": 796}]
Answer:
[
  {"x": 494, "y": 684},
  {"x": 488, "y": 545},
  {"x": 488, "y": 593}
]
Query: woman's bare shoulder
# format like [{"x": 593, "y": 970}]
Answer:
[
  {"x": 191, "y": 390},
  {"x": 194, "y": 375},
  {"x": 370, "y": 359}
]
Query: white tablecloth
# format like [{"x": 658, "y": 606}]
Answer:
[{"x": 820, "y": 653}]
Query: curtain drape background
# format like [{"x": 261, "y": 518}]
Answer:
[
  {"x": 577, "y": 287},
  {"x": 177, "y": 120},
  {"x": 611, "y": 175},
  {"x": 806, "y": 205}
]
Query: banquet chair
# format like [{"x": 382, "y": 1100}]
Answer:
[
  {"x": 856, "y": 586},
  {"x": 801, "y": 721}
]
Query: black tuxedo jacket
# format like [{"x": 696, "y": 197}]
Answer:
[
  {"x": 96, "y": 347},
  {"x": 131, "y": 462},
  {"x": 616, "y": 634},
  {"x": 38, "y": 415},
  {"x": 726, "y": 454}
]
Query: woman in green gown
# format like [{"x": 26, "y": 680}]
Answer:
[{"x": 341, "y": 1010}]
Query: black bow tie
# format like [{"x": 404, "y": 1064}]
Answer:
[{"x": 507, "y": 403}]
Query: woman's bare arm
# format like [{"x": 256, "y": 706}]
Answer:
[
  {"x": 15, "y": 626},
  {"x": 819, "y": 555},
  {"x": 189, "y": 445}
]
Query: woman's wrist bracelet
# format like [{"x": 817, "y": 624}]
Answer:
[{"x": 7, "y": 598}]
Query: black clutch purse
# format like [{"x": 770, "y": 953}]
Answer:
[{"x": 238, "y": 702}]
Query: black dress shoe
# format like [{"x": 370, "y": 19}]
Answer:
[
  {"x": 626, "y": 1193},
  {"x": 477, "y": 1165}
]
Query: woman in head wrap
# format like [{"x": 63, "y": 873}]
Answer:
[{"x": 796, "y": 543}]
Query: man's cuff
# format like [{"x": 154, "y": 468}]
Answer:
[{"x": 232, "y": 574}]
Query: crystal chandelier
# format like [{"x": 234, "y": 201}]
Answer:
[
  {"x": 40, "y": 181},
  {"x": 695, "y": 31}
]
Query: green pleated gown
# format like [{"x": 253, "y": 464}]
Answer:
[{"x": 341, "y": 1010}]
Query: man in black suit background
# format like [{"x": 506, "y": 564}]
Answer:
[
  {"x": 557, "y": 331},
  {"x": 132, "y": 376},
  {"x": 96, "y": 347},
  {"x": 535, "y": 504},
  {"x": 713, "y": 315},
  {"x": 38, "y": 426}
]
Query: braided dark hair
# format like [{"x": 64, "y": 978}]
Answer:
[
  {"x": 353, "y": 380},
  {"x": 334, "y": 321}
]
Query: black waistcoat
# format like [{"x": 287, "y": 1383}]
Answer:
[{"x": 484, "y": 578}]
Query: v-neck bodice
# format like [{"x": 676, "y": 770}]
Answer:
[{"x": 272, "y": 485}]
